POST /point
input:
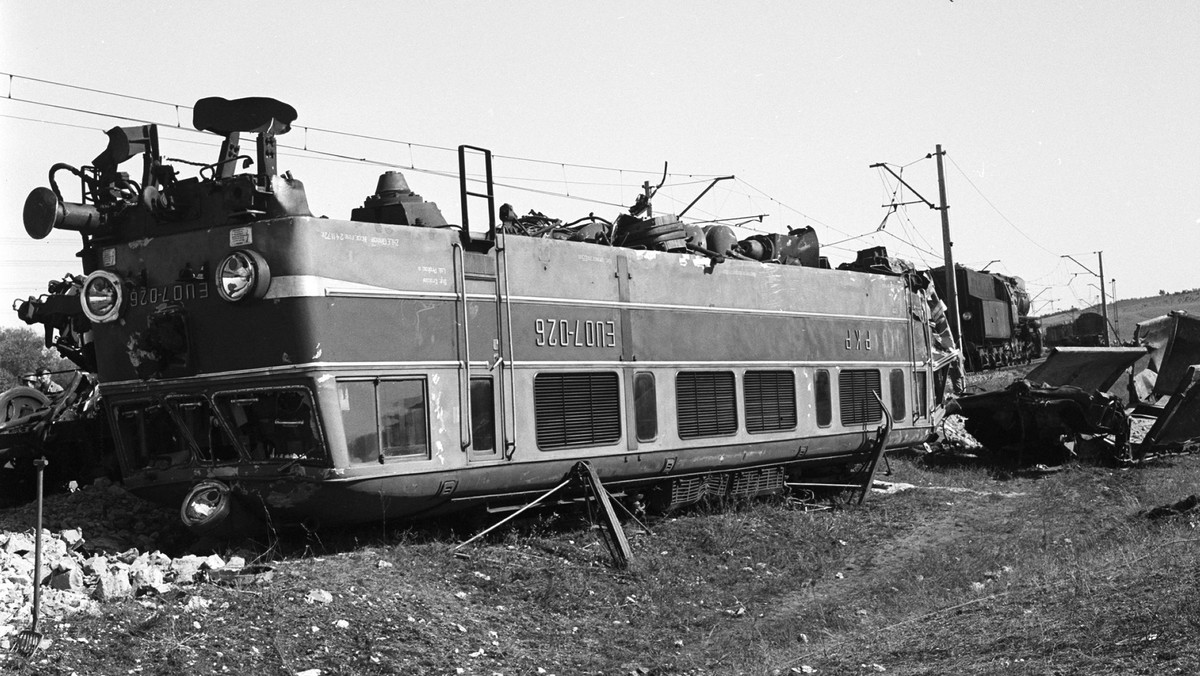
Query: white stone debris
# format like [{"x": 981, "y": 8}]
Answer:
[{"x": 98, "y": 545}]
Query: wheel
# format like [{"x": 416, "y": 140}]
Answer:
[{"x": 19, "y": 402}]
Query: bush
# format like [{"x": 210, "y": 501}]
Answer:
[{"x": 22, "y": 352}]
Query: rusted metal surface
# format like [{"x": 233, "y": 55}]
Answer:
[{"x": 1088, "y": 368}]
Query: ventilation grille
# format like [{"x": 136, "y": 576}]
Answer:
[
  {"x": 693, "y": 489},
  {"x": 576, "y": 409},
  {"x": 705, "y": 404},
  {"x": 756, "y": 482},
  {"x": 858, "y": 405},
  {"x": 770, "y": 401}
]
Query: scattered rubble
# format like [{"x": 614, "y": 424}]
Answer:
[
  {"x": 954, "y": 437},
  {"x": 100, "y": 544}
]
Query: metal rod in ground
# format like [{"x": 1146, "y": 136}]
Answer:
[
  {"x": 880, "y": 445},
  {"x": 618, "y": 545},
  {"x": 512, "y": 516},
  {"x": 631, "y": 515},
  {"x": 27, "y": 642}
]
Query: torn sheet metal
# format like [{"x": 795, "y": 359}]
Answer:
[
  {"x": 1088, "y": 368},
  {"x": 1173, "y": 342},
  {"x": 1179, "y": 422}
]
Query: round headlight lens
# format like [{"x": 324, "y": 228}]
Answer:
[
  {"x": 967, "y": 315},
  {"x": 242, "y": 274},
  {"x": 206, "y": 506},
  {"x": 102, "y": 296}
]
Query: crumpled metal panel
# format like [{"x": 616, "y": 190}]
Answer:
[
  {"x": 1174, "y": 345},
  {"x": 1027, "y": 422},
  {"x": 1180, "y": 419},
  {"x": 1088, "y": 368}
]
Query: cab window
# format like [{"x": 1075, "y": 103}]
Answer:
[
  {"x": 276, "y": 424},
  {"x": 212, "y": 441},
  {"x": 149, "y": 437}
]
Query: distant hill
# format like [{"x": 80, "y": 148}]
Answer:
[{"x": 1125, "y": 314}]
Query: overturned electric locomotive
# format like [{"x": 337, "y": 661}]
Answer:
[{"x": 257, "y": 359}]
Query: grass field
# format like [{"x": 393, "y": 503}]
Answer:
[
  {"x": 958, "y": 568},
  {"x": 967, "y": 572}
]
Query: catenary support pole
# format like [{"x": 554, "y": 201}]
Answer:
[
  {"x": 1103, "y": 299},
  {"x": 947, "y": 246}
]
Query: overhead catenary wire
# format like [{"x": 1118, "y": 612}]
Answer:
[
  {"x": 303, "y": 151},
  {"x": 895, "y": 206},
  {"x": 790, "y": 208},
  {"x": 571, "y": 186},
  {"x": 306, "y": 148},
  {"x": 307, "y": 128},
  {"x": 996, "y": 209}
]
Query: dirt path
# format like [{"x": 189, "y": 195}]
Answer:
[{"x": 962, "y": 511}]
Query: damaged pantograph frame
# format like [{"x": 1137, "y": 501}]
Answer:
[{"x": 1067, "y": 407}]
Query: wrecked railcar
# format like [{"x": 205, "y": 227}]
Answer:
[
  {"x": 1030, "y": 423},
  {"x": 1065, "y": 408},
  {"x": 68, "y": 428}
]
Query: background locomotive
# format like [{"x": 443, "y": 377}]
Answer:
[
  {"x": 994, "y": 314},
  {"x": 256, "y": 358}
]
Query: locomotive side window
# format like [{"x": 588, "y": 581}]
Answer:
[
  {"x": 357, "y": 402},
  {"x": 576, "y": 409},
  {"x": 483, "y": 415},
  {"x": 706, "y": 404},
  {"x": 824, "y": 399},
  {"x": 150, "y": 438},
  {"x": 645, "y": 406},
  {"x": 273, "y": 424},
  {"x": 770, "y": 400},
  {"x": 899, "y": 406},
  {"x": 402, "y": 419},
  {"x": 856, "y": 392},
  {"x": 384, "y": 420}
]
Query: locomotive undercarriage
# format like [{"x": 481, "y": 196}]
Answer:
[{"x": 252, "y": 499}]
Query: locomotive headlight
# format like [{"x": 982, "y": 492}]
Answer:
[
  {"x": 102, "y": 296},
  {"x": 206, "y": 506},
  {"x": 967, "y": 315},
  {"x": 242, "y": 274}
]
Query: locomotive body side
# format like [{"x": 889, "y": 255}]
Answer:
[
  {"x": 339, "y": 371},
  {"x": 354, "y": 321}
]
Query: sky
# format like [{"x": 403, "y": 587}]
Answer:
[{"x": 1070, "y": 128}]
